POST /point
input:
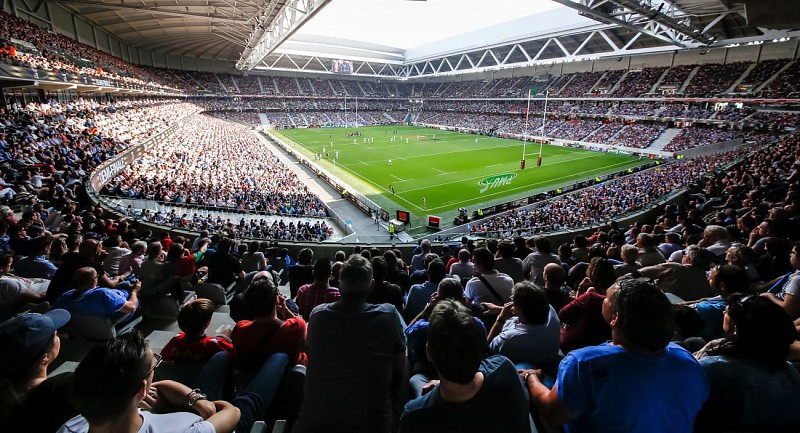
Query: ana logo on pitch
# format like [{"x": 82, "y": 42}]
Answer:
[{"x": 496, "y": 181}]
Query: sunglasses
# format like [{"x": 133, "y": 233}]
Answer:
[{"x": 159, "y": 359}]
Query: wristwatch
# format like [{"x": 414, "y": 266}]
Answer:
[{"x": 194, "y": 396}]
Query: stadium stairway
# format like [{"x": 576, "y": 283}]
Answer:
[
  {"x": 741, "y": 78},
  {"x": 662, "y": 140},
  {"x": 688, "y": 80}
]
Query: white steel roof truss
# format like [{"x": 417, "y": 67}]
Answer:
[{"x": 293, "y": 15}]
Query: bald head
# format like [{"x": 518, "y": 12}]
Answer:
[
  {"x": 554, "y": 276},
  {"x": 84, "y": 279}
]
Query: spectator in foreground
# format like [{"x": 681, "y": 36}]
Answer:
[
  {"x": 463, "y": 269},
  {"x": 88, "y": 298},
  {"x": 472, "y": 393},
  {"x": 18, "y": 294},
  {"x": 356, "y": 354},
  {"x": 419, "y": 294},
  {"x": 31, "y": 401},
  {"x": 788, "y": 294},
  {"x": 318, "y": 292},
  {"x": 687, "y": 280},
  {"x": 302, "y": 272},
  {"x": 192, "y": 344},
  {"x": 527, "y": 328},
  {"x": 748, "y": 371},
  {"x": 114, "y": 390},
  {"x": 422, "y": 369},
  {"x": 38, "y": 264},
  {"x": 660, "y": 385},
  {"x": 274, "y": 328}
]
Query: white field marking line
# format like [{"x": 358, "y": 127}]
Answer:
[
  {"x": 388, "y": 191},
  {"x": 399, "y": 179},
  {"x": 440, "y": 171},
  {"x": 490, "y": 175},
  {"x": 510, "y": 191},
  {"x": 495, "y": 165}
]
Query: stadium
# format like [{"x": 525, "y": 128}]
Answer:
[{"x": 475, "y": 194}]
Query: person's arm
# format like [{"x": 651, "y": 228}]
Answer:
[
  {"x": 221, "y": 414},
  {"x": 426, "y": 312},
  {"x": 790, "y": 303},
  {"x": 284, "y": 313},
  {"x": 505, "y": 314},
  {"x": 226, "y": 417},
  {"x": 133, "y": 300},
  {"x": 29, "y": 297},
  {"x": 545, "y": 401}
]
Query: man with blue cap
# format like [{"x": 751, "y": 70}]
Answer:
[{"x": 32, "y": 401}]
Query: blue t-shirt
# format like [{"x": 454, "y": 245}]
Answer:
[
  {"x": 98, "y": 301},
  {"x": 612, "y": 390},
  {"x": 712, "y": 312}
]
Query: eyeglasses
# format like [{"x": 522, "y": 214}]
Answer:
[{"x": 159, "y": 359}]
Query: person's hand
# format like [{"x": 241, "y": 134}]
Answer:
[
  {"x": 227, "y": 332},
  {"x": 491, "y": 309},
  {"x": 282, "y": 309},
  {"x": 428, "y": 387},
  {"x": 150, "y": 400},
  {"x": 529, "y": 374},
  {"x": 507, "y": 311},
  {"x": 137, "y": 286},
  {"x": 434, "y": 299},
  {"x": 584, "y": 284},
  {"x": 204, "y": 408},
  {"x": 754, "y": 235}
]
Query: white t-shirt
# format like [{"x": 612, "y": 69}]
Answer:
[
  {"x": 10, "y": 290},
  {"x": 177, "y": 422}
]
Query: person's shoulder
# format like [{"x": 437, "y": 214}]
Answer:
[
  {"x": 242, "y": 324},
  {"x": 322, "y": 309},
  {"x": 495, "y": 362},
  {"x": 679, "y": 353},
  {"x": 589, "y": 353},
  {"x": 421, "y": 325},
  {"x": 380, "y": 309},
  {"x": 77, "y": 424},
  {"x": 294, "y": 322},
  {"x": 416, "y": 287},
  {"x": 414, "y": 406}
]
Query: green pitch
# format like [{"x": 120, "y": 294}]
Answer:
[{"x": 434, "y": 172}]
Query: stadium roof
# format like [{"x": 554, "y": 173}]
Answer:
[{"x": 403, "y": 38}]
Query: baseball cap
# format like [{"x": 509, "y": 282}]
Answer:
[{"x": 26, "y": 336}]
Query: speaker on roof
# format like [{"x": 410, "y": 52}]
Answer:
[{"x": 772, "y": 14}]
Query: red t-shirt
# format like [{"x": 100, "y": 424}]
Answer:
[
  {"x": 184, "y": 349},
  {"x": 249, "y": 346}
]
